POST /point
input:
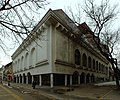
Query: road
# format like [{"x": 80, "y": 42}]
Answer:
[
  {"x": 9, "y": 93},
  {"x": 6, "y": 94},
  {"x": 19, "y": 93},
  {"x": 83, "y": 92}
]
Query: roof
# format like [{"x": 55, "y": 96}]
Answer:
[
  {"x": 7, "y": 65},
  {"x": 59, "y": 16},
  {"x": 62, "y": 15}
]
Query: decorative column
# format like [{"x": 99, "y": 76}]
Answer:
[
  {"x": 32, "y": 78},
  {"x": 70, "y": 79},
  {"x": 65, "y": 80},
  {"x": 89, "y": 79},
  {"x": 78, "y": 79},
  {"x": 19, "y": 79},
  {"x": 51, "y": 80},
  {"x": 40, "y": 80},
  {"x": 26, "y": 79},
  {"x": 15, "y": 80},
  {"x": 85, "y": 79},
  {"x": 22, "y": 79}
]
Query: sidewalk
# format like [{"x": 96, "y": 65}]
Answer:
[
  {"x": 91, "y": 92},
  {"x": 96, "y": 92},
  {"x": 28, "y": 88}
]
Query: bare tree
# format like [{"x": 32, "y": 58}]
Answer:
[
  {"x": 101, "y": 18},
  {"x": 76, "y": 17},
  {"x": 106, "y": 38},
  {"x": 17, "y": 18}
]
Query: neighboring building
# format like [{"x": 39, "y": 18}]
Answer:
[
  {"x": 8, "y": 72},
  {"x": 57, "y": 53},
  {"x": 1, "y": 74}
]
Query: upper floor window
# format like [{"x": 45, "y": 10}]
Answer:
[
  {"x": 89, "y": 62},
  {"x": 93, "y": 63},
  {"x": 99, "y": 67},
  {"x": 77, "y": 57},
  {"x": 33, "y": 57},
  {"x": 84, "y": 60},
  {"x": 26, "y": 60},
  {"x": 96, "y": 65}
]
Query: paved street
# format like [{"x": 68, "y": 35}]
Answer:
[
  {"x": 19, "y": 93},
  {"x": 102, "y": 91},
  {"x": 6, "y": 94},
  {"x": 25, "y": 92}
]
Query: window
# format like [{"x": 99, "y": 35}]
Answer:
[
  {"x": 103, "y": 68},
  {"x": 93, "y": 63},
  {"x": 97, "y": 65},
  {"x": 26, "y": 61},
  {"x": 77, "y": 57},
  {"x": 22, "y": 62},
  {"x": 18, "y": 64},
  {"x": 84, "y": 60},
  {"x": 89, "y": 62},
  {"x": 33, "y": 56}
]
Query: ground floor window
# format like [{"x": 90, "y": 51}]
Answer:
[
  {"x": 45, "y": 79},
  {"x": 59, "y": 79},
  {"x": 36, "y": 78}
]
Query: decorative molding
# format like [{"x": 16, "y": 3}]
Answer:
[
  {"x": 43, "y": 62},
  {"x": 85, "y": 68},
  {"x": 77, "y": 66},
  {"x": 64, "y": 63},
  {"x": 61, "y": 28}
]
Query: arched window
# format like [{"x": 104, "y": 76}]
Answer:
[
  {"x": 84, "y": 60},
  {"x": 33, "y": 56},
  {"x": 103, "y": 68},
  {"x": 93, "y": 63},
  {"x": 77, "y": 57},
  {"x": 97, "y": 65},
  {"x": 22, "y": 63},
  {"x": 18, "y": 64},
  {"x": 15, "y": 67},
  {"x": 106, "y": 70},
  {"x": 26, "y": 61},
  {"x": 89, "y": 62}
]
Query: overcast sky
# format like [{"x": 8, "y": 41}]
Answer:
[{"x": 54, "y": 4}]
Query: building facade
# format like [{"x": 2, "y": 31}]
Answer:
[
  {"x": 57, "y": 53},
  {"x": 8, "y": 72},
  {"x": 1, "y": 73}
]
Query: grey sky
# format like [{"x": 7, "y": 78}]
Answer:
[{"x": 54, "y": 4}]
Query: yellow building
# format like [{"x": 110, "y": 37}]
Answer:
[
  {"x": 8, "y": 72},
  {"x": 0, "y": 74}
]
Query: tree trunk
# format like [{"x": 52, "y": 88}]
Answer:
[
  {"x": 116, "y": 76},
  {"x": 117, "y": 82}
]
